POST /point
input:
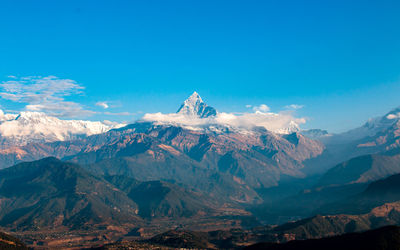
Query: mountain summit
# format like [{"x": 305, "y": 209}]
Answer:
[{"x": 194, "y": 106}]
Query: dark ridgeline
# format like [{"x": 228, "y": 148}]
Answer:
[
  {"x": 8, "y": 242},
  {"x": 386, "y": 238}
]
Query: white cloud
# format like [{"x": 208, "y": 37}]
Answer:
[
  {"x": 276, "y": 122},
  {"x": 45, "y": 94},
  {"x": 248, "y": 106},
  {"x": 294, "y": 106},
  {"x": 120, "y": 113},
  {"x": 114, "y": 124},
  {"x": 61, "y": 109},
  {"x": 393, "y": 116},
  {"x": 262, "y": 108},
  {"x": 104, "y": 105}
]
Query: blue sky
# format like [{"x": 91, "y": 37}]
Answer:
[{"x": 340, "y": 59}]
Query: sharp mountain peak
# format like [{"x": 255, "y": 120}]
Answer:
[{"x": 195, "y": 106}]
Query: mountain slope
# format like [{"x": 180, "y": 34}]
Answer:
[
  {"x": 167, "y": 167},
  {"x": 150, "y": 152},
  {"x": 158, "y": 199},
  {"x": 362, "y": 169},
  {"x": 52, "y": 194},
  {"x": 256, "y": 159},
  {"x": 338, "y": 190},
  {"x": 375, "y": 194},
  {"x": 304, "y": 203}
]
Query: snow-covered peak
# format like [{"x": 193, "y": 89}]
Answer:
[
  {"x": 7, "y": 117},
  {"x": 194, "y": 106},
  {"x": 315, "y": 134},
  {"x": 292, "y": 127},
  {"x": 194, "y": 98},
  {"x": 27, "y": 117},
  {"x": 372, "y": 127},
  {"x": 378, "y": 124},
  {"x": 36, "y": 127}
]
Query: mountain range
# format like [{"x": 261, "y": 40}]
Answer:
[
  {"x": 232, "y": 162},
  {"x": 149, "y": 177}
]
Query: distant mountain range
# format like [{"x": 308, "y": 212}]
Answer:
[{"x": 35, "y": 127}]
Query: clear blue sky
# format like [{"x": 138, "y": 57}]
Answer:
[{"x": 341, "y": 59}]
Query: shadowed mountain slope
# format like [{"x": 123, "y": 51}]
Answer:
[
  {"x": 158, "y": 199},
  {"x": 362, "y": 169},
  {"x": 51, "y": 193},
  {"x": 376, "y": 194}
]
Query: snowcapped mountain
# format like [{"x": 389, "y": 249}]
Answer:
[
  {"x": 375, "y": 125},
  {"x": 371, "y": 128},
  {"x": 194, "y": 106},
  {"x": 35, "y": 127},
  {"x": 291, "y": 128},
  {"x": 315, "y": 134},
  {"x": 377, "y": 136}
]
